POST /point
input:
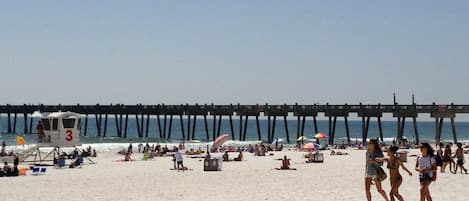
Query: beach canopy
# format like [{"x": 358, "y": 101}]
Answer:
[
  {"x": 278, "y": 140},
  {"x": 219, "y": 141},
  {"x": 320, "y": 136},
  {"x": 301, "y": 138},
  {"x": 311, "y": 146},
  {"x": 36, "y": 114}
]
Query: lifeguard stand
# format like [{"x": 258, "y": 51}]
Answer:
[{"x": 61, "y": 129}]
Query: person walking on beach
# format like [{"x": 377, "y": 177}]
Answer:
[
  {"x": 179, "y": 159},
  {"x": 40, "y": 131},
  {"x": 372, "y": 165},
  {"x": 425, "y": 166},
  {"x": 394, "y": 176},
  {"x": 459, "y": 155},
  {"x": 447, "y": 159},
  {"x": 130, "y": 149}
]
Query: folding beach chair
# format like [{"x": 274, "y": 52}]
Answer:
[
  {"x": 35, "y": 171},
  {"x": 43, "y": 170}
]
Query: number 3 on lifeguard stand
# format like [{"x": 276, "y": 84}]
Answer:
[{"x": 69, "y": 135}]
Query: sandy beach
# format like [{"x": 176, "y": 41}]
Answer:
[{"x": 338, "y": 178}]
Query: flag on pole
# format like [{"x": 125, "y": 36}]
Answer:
[{"x": 20, "y": 140}]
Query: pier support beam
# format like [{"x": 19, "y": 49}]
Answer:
[
  {"x": 25, "y": 118},
  {"x": 170, "y": 126},
  {"x": 206, "y": 128},
  {"x": 219, "y": 126},
  {"x": 272, "y": 135},
  {"x": 158, "y": 123},
  {"x": 232, "y": 127},
  {"x": 347, "y": 130},
  {"x": 164, "y": 125},
  {"x": 86, "y": 124},
  {"x": 286, "y": 129},
  {"x": 416, "y": 132},
  {"x": 380, "y": 129},
  {"x": 214, "y": 127},
  {"x": 194, "y": 122},
  {"x": 245, "y": 128},
  {"x": 240, "y": 127},
  {"x": 453, "y": 127},
  {"x": 105, "y": 125},
  {"x": 259, "y": 135},
  {"x": 181, "y": 121},
  {"x": 126, "y": 123},
  {"x": 188, "y": 127},
  {"x": 148, "y": 126},
  {"x": 119, "y": 134}
]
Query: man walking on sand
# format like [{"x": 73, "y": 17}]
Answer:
[{"x": 178, "y": 159}]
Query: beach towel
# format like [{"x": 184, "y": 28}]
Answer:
[{"x": 285, "y": 169}]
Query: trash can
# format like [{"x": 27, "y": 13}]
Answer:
[
  {"x": 402, "y": 156},
  {"x": 212, "y": 164}
]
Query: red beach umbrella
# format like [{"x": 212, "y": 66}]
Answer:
[{"x": 219, "y": 141}]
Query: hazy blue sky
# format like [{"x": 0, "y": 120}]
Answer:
[{"x": 233, "y": 51}]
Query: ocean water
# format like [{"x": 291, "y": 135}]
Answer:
[{"x": 426, "y": 131}]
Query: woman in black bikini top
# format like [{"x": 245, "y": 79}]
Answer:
[{"x": 394, "y": 175}]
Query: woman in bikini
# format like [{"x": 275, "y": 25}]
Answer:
[{"x": 394, "y": 176}]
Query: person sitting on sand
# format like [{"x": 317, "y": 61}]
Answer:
[
  {"x": 250, "y": 149},
  {"x": 6, "y": 168},
  {"x": 127, "y": 157},
  {"x": 94, "y": 154},
  {"x": 200, "y": 151},
  {"x": 285, "y": 163},
  {"x": 240, "y": 156},
  {"x": 226, "y": 156}
]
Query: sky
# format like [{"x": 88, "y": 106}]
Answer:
[{"x": 222, "y": 52}]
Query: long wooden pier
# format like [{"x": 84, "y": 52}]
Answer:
[{"x": 166, "y": 114}]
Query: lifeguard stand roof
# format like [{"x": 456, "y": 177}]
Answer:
[{"x": 62, "y": 115}]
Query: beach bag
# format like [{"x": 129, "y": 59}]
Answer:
[{"x": 380, "y": 174}]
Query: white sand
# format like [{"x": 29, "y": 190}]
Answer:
[{"x": 338, "y": 178}]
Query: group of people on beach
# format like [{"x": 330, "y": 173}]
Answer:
[
  {"x": 426, "y": 166},
  {"x": 9, "y": 171},
  {"x": 444, "y": 157}
]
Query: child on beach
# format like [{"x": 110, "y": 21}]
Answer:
[
  {"x": 425, "y": 166},
  {"x": 394, "y": 176},
  {"x": 460, "y": 159},
  {"x": 372, "y": 165}
]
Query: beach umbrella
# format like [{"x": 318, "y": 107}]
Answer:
[
  {"x": 302, "y": 138},
  {"x": 278, "y": 140},
  {"x": 311, "y": 146},
  {"x": 219, "y": 141},
  {"x": 320, "y": 136}
]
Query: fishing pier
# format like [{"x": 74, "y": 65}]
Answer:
[{"x": 187, "y": 116}]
